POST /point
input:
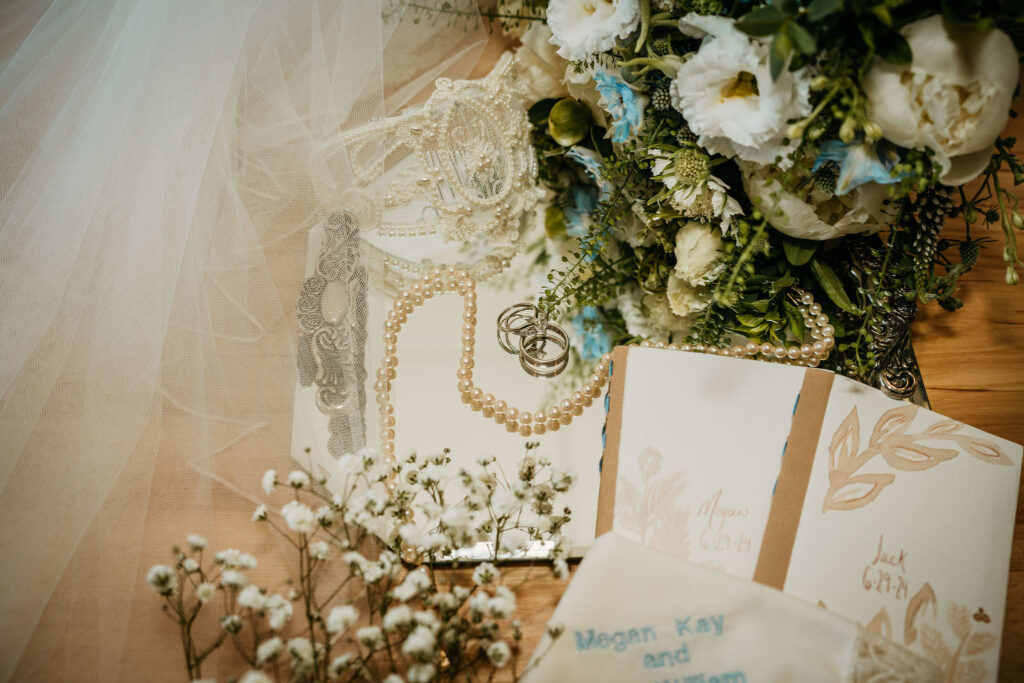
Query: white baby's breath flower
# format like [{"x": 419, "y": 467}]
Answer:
[
  {"x": 421, "y": 673},
  {"x": 499, "y": 653},
  {"x": 326, "y": 516},
  {"x": 342, "y": 618},
  {"x": 478, "y": 604},
  {"x": 953, "y": 97},
  {"x": 513, "y": 541},
  {"x": 278, "y": 610},
  {"x": 415, "y": 582},
  {"x": 485, "y": 574},
  {"x": 321, "y": 550},
  {"x": 339, "y": 665},
  {"x": 392, "y": 678},
  {"x": 728, "y": 96},
  {"x": 445, "y": 602},
  {"x": 427, "y": 619},
  {"x": 555, "y": 629},
  {"x": 232, "y": 623},
  {"x": 370, "y": 636},
  {"x": 410, "y": 534},
  {"x": 252, "y": 597},
  {"x": 253, "y": 676},
  {"x": 195, "y": 542},
  {"x": 270, "y": 481},
  {"x": 162, "y": 579},
  {"x": 560, "y": 568},
  {"x": 234, "y": 558},
  {"x": 698, "y": 251},
  {"x": 205, "y": 591},
  {"x": 419, "y": 644},
  {"x": 581, "y": 28},
  {"x": 301, "y": 650},
  {"x": 503, "y": 502},
  {"x": 503, "y": 604},
  {"x": 269, "y": 650},
  {"x": 233, "y": 579},
  {"x": 299, "y": 517},
  {"x": 397, "y": 617},
  {"x": 260, "y": 514},
  {"x": 190, "y": 565},
  {"x": 298, "y": 479}
]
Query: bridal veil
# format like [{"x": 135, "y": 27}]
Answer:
[{"x": 155, "y": 194}]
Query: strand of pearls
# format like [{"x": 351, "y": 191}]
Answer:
[{"x": 451, "y": 279}]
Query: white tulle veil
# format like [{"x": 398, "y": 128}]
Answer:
[{"x": 155, "y": 197}]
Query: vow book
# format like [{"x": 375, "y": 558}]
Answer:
[{"x": 812, "y": 483}]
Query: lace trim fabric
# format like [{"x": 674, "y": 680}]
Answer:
[
  {"x": 459, "y": 168},
  {"x": 876, "y": 658}
]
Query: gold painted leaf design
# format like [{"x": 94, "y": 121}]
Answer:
[
  {"x": 649, "y": 463},
  {"x": 959, "y": 619},
  {"x": 845, "y": 444},
  {"x": 935, "y": 646},
  {"x": 979, "y": 642},
  {"x": 850, "y": 493},
  {"x": 943, "y": 427},
  {"x": 972, "y": 671},
  {"x": 881, "y": 625},
  {"x": 822, "y": 605},
  {"x": 893, "y": 422},
  {"x": 921, "y": 599},
  {"x": 905, "y": 453},
  {"x": 984, "y": 451}
]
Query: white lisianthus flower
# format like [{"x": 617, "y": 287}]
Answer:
[
  {"x": 205, "y": 592},
  {"x": 698, "y": 250},
  {"x": 728, "y": 96},
  {"x": 341, "y": 619},
  {"x": 953, "y": 97},
  {"x": 684, "y": 299},
  {"x": 823, "y": 216},
  {"x": 162, "y": 579},
  {"x": 252, "y": 597},
  {"x": 270, "y": 481},
  {"x": 299, "y": 517},
  {"x": 195, "y": 542},
  {"x": 269, "y": 650},
  {"x": 499, "y": 653},
  {"x": 581, "y": 28},
  {"x": 278, "y": 610},
  {"x": 539, "y": 65}
]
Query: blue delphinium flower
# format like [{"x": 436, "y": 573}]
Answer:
[
  {"x": 590, "y": 161},
  {"x": 859, "y": 163},
  {"x": 619, "y": 100},
  {"x": 595, "y": 342}
]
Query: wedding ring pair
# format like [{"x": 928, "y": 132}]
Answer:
[{"x": 535, "y": 334}]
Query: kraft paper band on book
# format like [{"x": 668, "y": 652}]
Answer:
[
  {"x": 791, "y": 488},
  {"x": 613, "y": 432}
]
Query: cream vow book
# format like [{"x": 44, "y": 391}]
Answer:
[{"x": 799, "y": 479}]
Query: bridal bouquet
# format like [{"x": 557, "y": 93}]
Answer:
[{"x": 703, "y": 157}]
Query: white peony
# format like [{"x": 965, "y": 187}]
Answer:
[
  {"x": 824, "y": 216},
  {"x": 582, "y": 28},
  {"x": 728, "y": 96},
  {"x": 698, "y": 250},
  {"x": 540, "y": 67},
  {"x": 954, "y": 96}
]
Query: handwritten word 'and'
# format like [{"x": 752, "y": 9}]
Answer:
[{"x": 675, "y": 654}]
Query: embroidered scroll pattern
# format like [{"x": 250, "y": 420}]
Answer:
[
  {"x": 850, "y": 489},
  {"x": 649, "y": 508}
]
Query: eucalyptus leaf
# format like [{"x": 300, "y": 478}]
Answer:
[
  {"x": 819, "y": 9},
  {"x": 798, "y": 251},
  {"x": 833, "y": 286},
  {"x": 762, "y": 21}
]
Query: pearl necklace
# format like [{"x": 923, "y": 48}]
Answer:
[{"x": 451, "y": 279}]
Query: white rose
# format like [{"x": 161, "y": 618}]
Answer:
[
  {"x": 825, "y": 216},
  {"x": 698, "y": 248},
  {"x": 540, "y": 67},
  {"x": 684, "y": 299},
  {"x": 581, "y": 28},
  {"x": 953, "y": 97}
]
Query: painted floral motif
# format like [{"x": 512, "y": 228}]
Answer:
[
  {"x": 649, "y": 509},
  {"x": 901, "y": 450}
]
